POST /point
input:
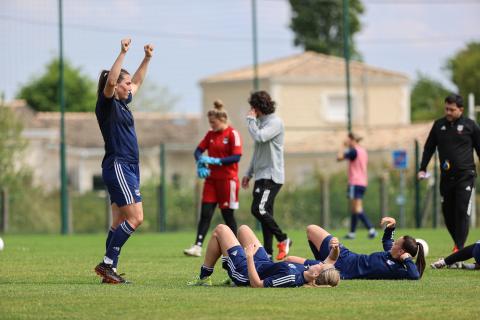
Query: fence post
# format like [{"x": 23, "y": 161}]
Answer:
[
  {"x": 325, "y": 198},
  {"x": 418, "y": 220},
  {"x": 162, "y": 190},
  {"x": 4, "y": 200},
  {"x": 198, "y": 200}
]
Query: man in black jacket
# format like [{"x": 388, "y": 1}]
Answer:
[{"x": 455, "y": 137}]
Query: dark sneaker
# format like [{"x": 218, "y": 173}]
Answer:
[
  {"x": 125, "y": 281},
  {"x": 108, "y": 274}
]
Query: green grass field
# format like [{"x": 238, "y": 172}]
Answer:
[{"x": 51, "y": 277}]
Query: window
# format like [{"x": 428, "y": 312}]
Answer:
[{"x": 336, "y": 108}]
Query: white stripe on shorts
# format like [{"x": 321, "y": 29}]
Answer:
[
  {"x": 123, "y": 183},
  {"x": 283, "y": 280},
  {"x": 233, "y": 192}
]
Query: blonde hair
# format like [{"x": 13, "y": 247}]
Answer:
[
  {"x": 329, "y": 277},
  {"x": 218, "y": 111}
]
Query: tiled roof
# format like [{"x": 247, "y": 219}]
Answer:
[
  {"x": 303, "y": 66},
  {"x": 82, "y": 129}
]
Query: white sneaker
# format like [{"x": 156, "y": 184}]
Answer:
[
  {"x": 193, "y": 251},
  {"x": 456, "y": 265},
  {"x": 469, "y": 266},
  {"x": 439, "y": 264}
]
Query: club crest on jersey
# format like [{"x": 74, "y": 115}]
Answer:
[
  {"x": 443, "y": 128},
  {"x": 234, "y": 253},
  {"x": 390, "y": 262},
  {"x": 292, "y": 266},
  {"x": 460, "y": 128},
  {"x": 225, "y": 140}
]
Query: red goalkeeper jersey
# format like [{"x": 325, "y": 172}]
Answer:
[{"x": 221, "y": 144}]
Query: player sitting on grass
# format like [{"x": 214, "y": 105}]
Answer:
[
  {"x": 455, "y": 260},
  {"x": 395, "y": 262},
  {"x": 248, "y": 264}
]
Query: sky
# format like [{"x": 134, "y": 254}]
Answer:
[{"x": 194, "y": 39}]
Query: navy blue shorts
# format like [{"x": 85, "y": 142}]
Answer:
[
  {"x": 236, "y": 264},
  {"x": 345, "y": 259},
  {"x": 355, "y": 192},
  {"x": 123, "y": 183},
  {"x": 476, "y": 252}
]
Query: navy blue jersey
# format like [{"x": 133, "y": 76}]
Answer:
[
  {"x": 378, "y": 265},
  {"x": 282, "y": 274},
  {"x": 118, "y": 130},
  {"x": 476, "y": 252}
]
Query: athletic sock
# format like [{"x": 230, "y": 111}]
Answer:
[
  {"x": 315, "y": 251},
  {"x": 353, "y": 222},
  {"x": 205, "y": 271},
  {"x": 109, "y": 237},
  {"x": 119, "y": 237},
  {"x": 229, "y": 219},
  {"x": 107, "y": 243},
  {"x": 199, "y": 240},
  {"x": 365, "y": 220}
]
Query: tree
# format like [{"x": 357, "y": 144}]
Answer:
[
  {"x": 318, "y": 25},
  {"x": 42, "y": 93},
  {"x": 153, "y": 97},
  {"x": 427, "y": 98},
  {"x": 464, "y": 68},
  {"x": 12, "y": 144}
]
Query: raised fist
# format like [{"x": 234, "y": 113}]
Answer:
[
  {"x": 126, "y": 44},
  {"x": 148, "y": 50}
]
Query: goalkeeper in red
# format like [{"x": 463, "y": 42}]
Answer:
[{"x": 220, "y": 171}]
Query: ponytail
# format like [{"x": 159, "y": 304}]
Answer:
[
  {"x": 420, "y": 261},
  {"x": 415, "y": 249},
  {"x": 102, "y": 80}
]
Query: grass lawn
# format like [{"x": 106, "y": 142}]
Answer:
[{"x": 51, "y": 277}]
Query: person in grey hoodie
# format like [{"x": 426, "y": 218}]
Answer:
[{"x": 267, "y": 165}]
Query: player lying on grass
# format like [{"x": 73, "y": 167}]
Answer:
[
  {"x": 248, "y": 264},
  {"x": 395, "y": 262},
  {"x": 455, "y": 260}
]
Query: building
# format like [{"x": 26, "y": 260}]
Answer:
[
  {"x": 85, "y": 148},
  {"x": 309, "y": 89}
]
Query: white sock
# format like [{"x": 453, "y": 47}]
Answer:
[{"x": 107, "y": 260}]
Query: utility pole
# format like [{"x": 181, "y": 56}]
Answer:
[
  {"x": 63, "y": 162},
  {"x": 346, "y": 54},
  {"x": 256, "y": 85}
]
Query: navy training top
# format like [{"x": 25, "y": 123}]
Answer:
[
  {"x": 378, "y": 265},
  {"x": 118, "y": 130},
  {"x": 283, "y": 274}
]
